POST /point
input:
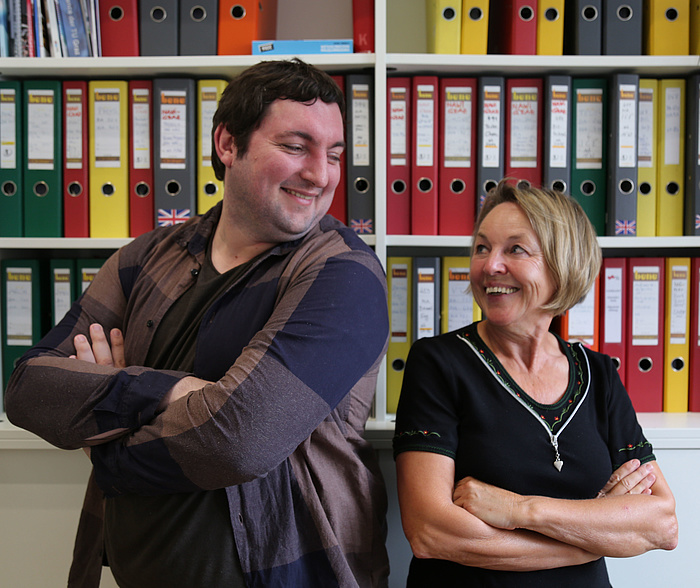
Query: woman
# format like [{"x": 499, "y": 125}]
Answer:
[{"x": 520, "y": 461}]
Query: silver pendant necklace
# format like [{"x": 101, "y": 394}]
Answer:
[{"x": 553, "y": 437}]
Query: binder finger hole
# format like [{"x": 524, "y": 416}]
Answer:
[
  {"x": 489, "y": 185},
  {"x": 74, "y": 189},
  {"x": 624, "y": 12},
  {"x": 626, "y": 186},
  {"x": 645, "y": 364},
  {"x": 457, "y": 186},
  {"x": 172, "y": 188},
  {"x": 237, "y": 11},
  {"x": 158, "y": 14},
  {"x": 361, "y": 185},
  {"x": 587, "y": 188},
  {"x": 107, "y": 189},
  {"x": 398, "y": 186},
  {"x": 142, "y": 189},
  {"x": 616, "y": 362},
  {"x": 9, "y": 188},
  {"x": 523, "y": 184},
  {"x": 210, "y": 188},
  {"x": 198, "y": 13},
  {"x": 589, "y": 13},
  {"x": 677, "y": 364},
  {"x": 398, "y": 364},
  {"x": 449, "y": 13},
  {"x": 645, "y": 188},
  {"x": 671, "y": 14},
  {"x": 41, "y": 189},
  {"x": 551, "y": 14},
  {"x": 672, "y": 188},
  {"x": 476, "y": 14},
  {"x": 116, "y": 13},
  {"x": 559, "y": 185},
  {"x": 425, "y": 185},
  {"x": 526, "y": 13}
]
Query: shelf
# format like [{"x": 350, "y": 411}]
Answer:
[
  {"x": 537, "y": 65},
  {"x": 222, "y": 66}
]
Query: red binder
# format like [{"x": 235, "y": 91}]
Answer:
[
  {"x": 119, "y": 28},
  {"x": 339, "y": 206},
  {"x": 613, "y": 311},
  {"x": 141, "y": 213},
  {"x": 398, "y": 142},
  {"x": 457, "y": 156},
  {"x": 644, "y": 379},
  {"x": 363, "y": 26},
  {"x": 694, "y": 375},
  {"x": 243, "y": 21},
  {"x": 424, "y": 167},
  {"x": 515, "y": 32},
  {"x": 523, "y": 149},
  {"x": 76, "y": 219}
]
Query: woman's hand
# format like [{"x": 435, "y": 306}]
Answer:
[
  {"x": 494, "y": 506},
  {"x": 630, "y": 478}
]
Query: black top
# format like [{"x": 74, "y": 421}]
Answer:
[{"x": 458, "y": 400}]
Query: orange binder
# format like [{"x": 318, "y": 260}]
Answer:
[
  {"x": 513, "y": 28},
  {"x": 424, "y": 169},
  {"x": 644, "y": 379},
  {"x": 613, "y": 311},
  {"x": 119, "y": 28},
  {"x": 363, "y": 26},
  {"x": 457, "y": 156},
  {"x": 76, "y": 219},
  {"x": 523, "y": 160},
  {"x": 694, "y": 356},
  {"x": 339, "y": 206},
  {"x": 243, "y": 21},
  {"x": 398, "y": 142},
  {"x": 141, "y": 212}
]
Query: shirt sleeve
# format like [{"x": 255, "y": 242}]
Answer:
[
  {"x": 427, "y": 414},
  {"x": 326, "y": 337}
]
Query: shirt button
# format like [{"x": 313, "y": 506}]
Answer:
[
  {"x": 149, "y": 323},
  {"x": 195, "y": 272}
]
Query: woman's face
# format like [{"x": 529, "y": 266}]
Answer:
[{"x": 510, "y": 279}]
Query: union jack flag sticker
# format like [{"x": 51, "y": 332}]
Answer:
[
  {"x": 167, "y": 217},
  {"x": 697, "y": 221},
  {"x": 625, "y": 227},
  {"x": 361, "y": 225}
]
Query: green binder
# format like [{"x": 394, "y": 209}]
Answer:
[
  {"x": 11, "y": 159},
  {"x": 63, "y": 287},
  {"x": 43, "y": 202}
]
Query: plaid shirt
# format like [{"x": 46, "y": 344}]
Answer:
[{"x": 293, "y": 350}]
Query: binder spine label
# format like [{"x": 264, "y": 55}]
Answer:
[
  {"x": 589, "y": 128},
  {"x": 458, "y": 127},
  {"x": 627, "y": 133},
  {"x": 74, "y": 128},
  {"x": 524, "y": 128},
  {"x": 8, "y": 128},
  {"x": 426, "y": 302},
  {"x": 491, "y": 124},
  {"x": 645, "y": 136},
  {"x": 399, "y": 303},
  {"x": 398, "y": 126},
  {"x": 672, "y": 129},
  {"x": 460, "y": 304},
  {"x": 646, "y": 289},
  {"x": 678, "y": 305},
  {"x": 208, "y": 101},
  {"x": 425, "y": 120},
  {"x": 40, "y": 121},
  {"x": 558, "y": 132},
  {"x": 19, "y": 306},
  {"x": 141, "y": 125},
  {"x": 361, "y": 131},
  {"x": 613, "y": 305},
  {"x": 173, "y": 129},
  {"x": 107, "y": 127}
]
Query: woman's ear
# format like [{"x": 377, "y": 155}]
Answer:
[{"x": 225, "y": 145}]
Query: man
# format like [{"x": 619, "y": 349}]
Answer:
[{"x": 226, "y": 424}]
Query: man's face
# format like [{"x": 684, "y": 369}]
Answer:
[{"x": 285, "y": 182}]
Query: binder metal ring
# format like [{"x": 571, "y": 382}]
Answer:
[
  {"x": 9, "y": 188},
  {"x": 645, "y": 188},
  {"x": 74, "y": 189},
  {"x": 671, "y": 14},
  {"x": 142, "y": 189},
  {"x": 457, "y": 186},
  {"x": 677, "y": 364},
  {"x": 361, "y": 185},
  {"x": 210, "y": 188},
  {"x": 237, "y": 11},
  {"x": 626, "y": 186},
  {"x": 589, "y": 13},
  {"x": 116, "y": 13},
  {"x": 172, "y": 187},
  {"x": 40, "y": 189},
  {"x": 158, "y": 14},
  {"x": 588, "y": 188},
  {"x": 551, "y": 14},
  {"x": 398, "y": 186},
  {"x": 645, "y": 364},
  {"x": 625, "y": 12},
  {"x": 449, "y": 13},
  {"x": 398, "y": 364},
  {"x": 108, "y": 189},
  {"x": 672, "y": 188},
  {"x": 425, "y": 185},
  {"x": 559, "y": 186},
  {"x": 198, "y": 13},
  {"x": 526, "y": 13},
  {"x": 617, "y": 362},
  {"x": 476, "y": 14}
]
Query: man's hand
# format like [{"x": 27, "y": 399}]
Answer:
[
  {"x": 101, "y": 351},
  {"x": 630, "y": 478}
]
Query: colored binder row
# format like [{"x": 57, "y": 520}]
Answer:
[
  {"x": 75, "y": 28},
  {"x": 106, "y": 158},
  {"x": 558, "y": 27},
  {"x": 427, "y": 296},
  {"x": 36, "y": 294},
  {"x": 622, "y": 146}
]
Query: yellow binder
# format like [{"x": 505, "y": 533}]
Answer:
[
  {"x": 475, "y": 27},
  {"x": 458, "y": 306},
  {"x": 677, "y": 334},
  {"x": 694, "y": 48},
  {"x": 666, "y": 27},
  {"x": 647, "y": 139},
  {"x": 209, "y": 189},
  {"x": 398, "y": 272},
  {"x": 550, "y": 27},
  {"x": 444, "y": 21},
  {"x": 671, "y": 158},
  {"x": 109, "y": 158}
]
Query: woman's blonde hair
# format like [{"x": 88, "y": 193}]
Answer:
[{"x": 568, "y": 239}]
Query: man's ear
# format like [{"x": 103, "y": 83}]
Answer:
[{"x": 224, "y": 145}]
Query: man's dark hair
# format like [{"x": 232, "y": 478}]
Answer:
[{"x": 245, "y": 101}]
